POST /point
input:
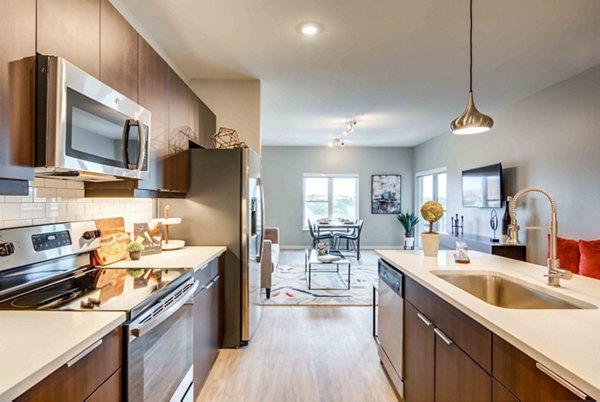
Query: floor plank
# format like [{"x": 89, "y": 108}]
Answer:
[{"x": 303, "y": 354}]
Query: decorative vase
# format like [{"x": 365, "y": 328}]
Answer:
[
  {"x": 135, "y": 255},
  {"x": 409, "y": 241},
  {"x": 431, "y": 244}
]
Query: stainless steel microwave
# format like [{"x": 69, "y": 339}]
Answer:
[{"x": 85, "y": 130}]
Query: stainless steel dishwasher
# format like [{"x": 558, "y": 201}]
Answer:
[{"x": 390, "y": 326}]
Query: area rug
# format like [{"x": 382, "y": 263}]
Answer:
[{"x": 290, "y": 286}]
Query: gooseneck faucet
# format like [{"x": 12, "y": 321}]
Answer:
[{"x": 554, "y": 274}]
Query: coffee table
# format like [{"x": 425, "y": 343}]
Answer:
[{"x": 313, "y": 265}]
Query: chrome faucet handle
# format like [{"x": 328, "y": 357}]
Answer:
[{"x": 513, "y": 234}]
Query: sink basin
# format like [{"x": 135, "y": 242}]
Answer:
[{"x": 502, "y": 291}]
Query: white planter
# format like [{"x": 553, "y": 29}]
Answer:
[
  {"x": 431, "y": 244},
  {"x": 409, "y": 243}
]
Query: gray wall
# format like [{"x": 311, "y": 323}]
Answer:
[
  {"x": 550, "y": 140},
  {"x": 283, "y": 169}
]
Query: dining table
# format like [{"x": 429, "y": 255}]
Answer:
[{"x": 339, "y": 226}]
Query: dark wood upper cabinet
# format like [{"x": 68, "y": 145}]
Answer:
[
  {"x": 419, "y": 356},
  {"x": 208, "y": 124},
  {"x": 17, "y": 91},
  {"x": 180, "y": 133},
  {"x": 70, "y": 29},
  {"x": 154, "y": 96},
  {"x": 118, "y": 52}
]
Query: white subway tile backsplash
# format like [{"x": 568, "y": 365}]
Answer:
[
  {"x": 51, "y": 200},
  {"x": 55, "y": 183},
  {"x": 31, "y": 210}
]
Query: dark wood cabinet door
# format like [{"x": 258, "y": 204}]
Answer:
[
  {"x": 118, "y": 52},
  {"x": 520, "y": 375},
  {"x": 177, "y": 161},
  {"x": 419, "y": 357},
  {"x": 457, "y": 377},
  {"x": 501, "y": 394},
  {"x": 17, "y": 92},
  {"x": 154, "y": 96},
  {"x": 77, "y": 381},
  {"x": 70, "y": 29},
  {"x": 111, "y": 390},
  {"x": 215, "y": 321},
  {"x": 202, "y": 336}
]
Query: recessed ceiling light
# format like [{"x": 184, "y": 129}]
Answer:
[{"x": 310, "y": 28}]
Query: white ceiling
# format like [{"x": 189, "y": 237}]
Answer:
[{"x": 400, "y": 67}]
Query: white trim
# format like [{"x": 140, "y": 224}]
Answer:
[{"x": 431, "y": 171}]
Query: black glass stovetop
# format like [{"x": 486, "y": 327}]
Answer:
[{"x": 100, "y": 289}]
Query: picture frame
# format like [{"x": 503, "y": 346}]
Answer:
[{"x": 386, "y": 194}]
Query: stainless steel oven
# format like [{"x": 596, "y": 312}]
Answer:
[
  {"x": 85, "y": 129},
  {"x": 160, "y": 349}
]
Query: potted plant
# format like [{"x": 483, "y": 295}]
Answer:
[
  {"x": 135, "y": 250},
  {"x": 408, "y": 221},
  {"x": 431, "y": 211}
]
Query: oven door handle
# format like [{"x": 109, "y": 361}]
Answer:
[{"x": 141, "y": 330}]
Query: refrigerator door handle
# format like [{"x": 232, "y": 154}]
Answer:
[{"x": 262, "y": 218}]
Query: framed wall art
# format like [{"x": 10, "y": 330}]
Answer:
[{"x": 386, "y": 190}]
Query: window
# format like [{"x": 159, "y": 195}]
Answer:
[
  {"x": 431, "y": 186},
  {"x": 330, "y": 196}
]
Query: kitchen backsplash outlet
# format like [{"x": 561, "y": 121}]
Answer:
[{"x": 52, "y": 201}]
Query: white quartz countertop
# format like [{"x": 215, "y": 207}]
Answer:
[
  {"x": 187, "y": 257},
  {"x": 33, "y": 344},
  {"x": 566, "y": 341}
]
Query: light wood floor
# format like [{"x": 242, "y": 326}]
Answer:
[{"x": 303, "y": 354}]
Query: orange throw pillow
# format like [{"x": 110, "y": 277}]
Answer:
[
  {"x": 590, "y": 258},
  {"x": 568, "y": 253}
]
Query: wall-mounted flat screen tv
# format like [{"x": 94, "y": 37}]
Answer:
[{"x": 483, "y": 187}]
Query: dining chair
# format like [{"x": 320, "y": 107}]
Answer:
[
  {"x": 352, "y": 237},
  {"x": 317, "y": 238}
]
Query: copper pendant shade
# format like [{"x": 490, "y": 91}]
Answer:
[{"x": 471, "y": 121}]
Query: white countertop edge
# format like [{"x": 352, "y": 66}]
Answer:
[
  {"x": 585, "y": 386},
  {"x": 187, "y": 257},
  {"x": 25, "y": 384}
]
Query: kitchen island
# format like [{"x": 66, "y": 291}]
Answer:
[{"x": 563, "y": 341}]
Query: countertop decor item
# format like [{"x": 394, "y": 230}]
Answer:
[
  {"x": 409, "y": 221},
  {"x": 385, "y": 193},
  {"x": 457, "y": 228},
  {"x": 494, "y": 225},
  {"x": 227, "y": 138},
  {"x": 135, "y": 250},
  {"x": 150, "y": 235},
  {"x": 431, "y": 211},
  {"x": 167, "y": 243},
  {"x": 471, "y": 121},
  {"x": 113, "y": 241}
]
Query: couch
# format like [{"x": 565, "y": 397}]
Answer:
[{"x": 269, "y": 259}]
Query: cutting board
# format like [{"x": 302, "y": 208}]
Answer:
[{"x": 113, "y": 242}]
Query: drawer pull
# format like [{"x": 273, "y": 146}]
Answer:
[
  {"x": 443, "y": 336},
  {"x": 83, "y": 354},
  {"x": 209, "y": 285},
  {"x": 561, "y": 380},
  {"x": 424, "y": 319}
]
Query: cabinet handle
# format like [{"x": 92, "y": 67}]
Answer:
[
  {"x": 83, "y": 354},
  {"x": 209, "y": 285},
  {"x": 424, "y": 319},
  {"x": 561, "y": 380},
  {"x": 443, "y": 336}
]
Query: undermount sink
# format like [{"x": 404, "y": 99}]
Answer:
[{"x": 502, "y": 291}]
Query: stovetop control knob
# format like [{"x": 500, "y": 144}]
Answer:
[
  {"x": 92, "y": 234},
  {"x": 6, "y": 249}
]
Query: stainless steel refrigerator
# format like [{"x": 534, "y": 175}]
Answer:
[{"x": 224, "y": 207}]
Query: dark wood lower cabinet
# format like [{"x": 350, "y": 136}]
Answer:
[
  {"x": 419, "y": 356},
  {"x": 207, "y": 324},
  {"x": 111, "y": 390},
  {"x": 501, "y": 394},
  {"x": 457, "y": 377},
  {"x": 520, "y": 375},
  {"x": 84, "y": 375}
]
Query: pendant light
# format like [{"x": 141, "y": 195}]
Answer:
[{"x": 471, "y": 121}]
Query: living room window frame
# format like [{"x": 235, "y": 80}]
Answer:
[
  {"x": 330, "y": 177},
  {"x": 435, "y": 173}
]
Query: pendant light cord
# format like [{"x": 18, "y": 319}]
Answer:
[{"x": 470, "y": 45}]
